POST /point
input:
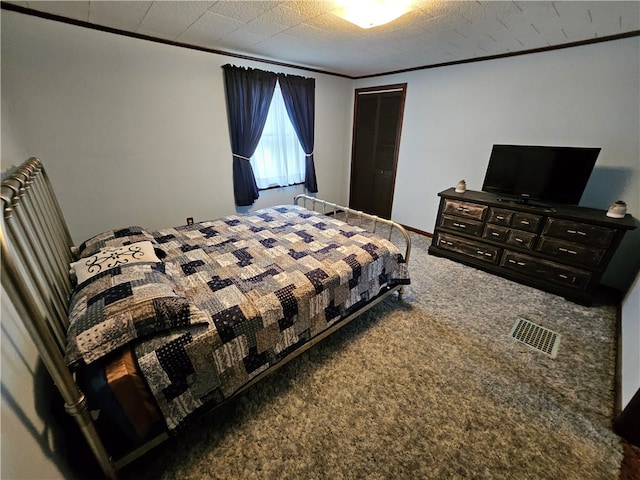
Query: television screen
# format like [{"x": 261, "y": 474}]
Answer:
[{"x": 543, "y": 174}]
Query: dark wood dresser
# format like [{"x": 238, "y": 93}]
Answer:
[{"x": 561, "y": 249}]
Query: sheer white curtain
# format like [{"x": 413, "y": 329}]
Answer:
[{"x": 279, "y": 158}]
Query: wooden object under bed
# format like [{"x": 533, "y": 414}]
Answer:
[{"x": 36, "y": 253}]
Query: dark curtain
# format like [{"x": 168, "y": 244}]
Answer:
[
  {"x": 300, "y": 99},
  {"x": 249, "y": 93}
]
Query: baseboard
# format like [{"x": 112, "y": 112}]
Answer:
[{"x": 418, "y": 231}]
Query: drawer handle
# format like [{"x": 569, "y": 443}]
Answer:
[
  {"x": 576, "y": 232},
  {"x": 519, "y": 240},
  {"x": 522, "y": 264},
  {"x": 459, "y": 225},
  {"x": 463, "y": 209},
  {"x": 487, "y": 254},
  {"x": 495, "y": 234},
  {"x": 565, "y": 250},
  {"x": 499, "y": 217},
  {"x": 566, "y": 277},
  {"x": 524, "y": 222}
]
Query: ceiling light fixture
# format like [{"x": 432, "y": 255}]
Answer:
[{"x": 371, "y": 13}]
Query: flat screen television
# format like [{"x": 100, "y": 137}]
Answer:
[{"x": 539, "y": 174}]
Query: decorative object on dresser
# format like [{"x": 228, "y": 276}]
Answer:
[
  {"x": 617, "y": 209},
  {"x": 562, "y": 249},
  {"x": 461, "y": 187}
]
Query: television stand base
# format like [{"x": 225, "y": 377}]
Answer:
[{"x": 525, "y": 201}]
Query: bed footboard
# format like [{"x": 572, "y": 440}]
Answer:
[
  {"x": 364, "y": 220},
  {"x": 36, "y": 253}
]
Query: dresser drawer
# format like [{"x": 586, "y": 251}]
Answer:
[
  {"x": 469, "y": 227},
  {"x": 569, "y": 251},
  {"x": 500, "y": 216},
  {"x": 526, "y": 221},
  {"x": 466, "y": 247},
  {"x": 521, "y": 239},
  {"x": 464, "y": 209},
  {"x": 544, "y": 270},
  {"x": 584, "y": 233},
  {"x": 495, "y": 232}
]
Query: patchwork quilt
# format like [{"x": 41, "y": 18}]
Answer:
[{"x": 229, "y": 299}]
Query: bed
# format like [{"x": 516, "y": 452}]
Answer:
[{"x": 145, "y": 330}]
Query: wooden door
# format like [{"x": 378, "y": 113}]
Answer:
[{"x": 376, "y": 140}]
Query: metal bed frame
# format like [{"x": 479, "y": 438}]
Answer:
[{"x": 36, "y": 252}]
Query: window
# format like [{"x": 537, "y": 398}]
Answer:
[
  {"x": 248, "y": 87},
  {"x": 279, "y": 159}
]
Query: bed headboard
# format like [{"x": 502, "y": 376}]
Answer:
[
  {"x": 36, "y": 247},
  {"x": 36, "y": 251}
]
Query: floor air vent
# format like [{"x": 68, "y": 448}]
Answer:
[{"x": 535, "y": 336}]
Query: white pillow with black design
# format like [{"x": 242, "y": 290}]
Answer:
[{"x": 110, "y": 257}]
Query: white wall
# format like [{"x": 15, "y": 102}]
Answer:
[
  {"x": 583, "y": 96},
  {"x": 13, "y": 149},
  {"x": 135, "y": 132},
  {"x": 631, "y": 343},
  {"x": 32, "y": 443}
]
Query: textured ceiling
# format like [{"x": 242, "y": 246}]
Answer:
[{"x": 306, "y": 33}]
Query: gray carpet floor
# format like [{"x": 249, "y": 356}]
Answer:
[{"x": 432, "y": 387}]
